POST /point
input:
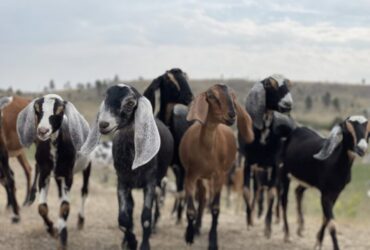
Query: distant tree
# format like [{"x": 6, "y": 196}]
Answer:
[
  {"x": 51, "y": 85},
  {"x": 141, "y": 78},
  {"x": 336, "y": 104},
  {"x": 19, "y": 92},
  {"x": 9, "y": 91},
  {"x": 308, "y": 103},
  {"x": 67, "y": 85},
  {"x": 116, "y": 79},
  {"x": 98, "y": 87},
  {"x": 88, "y": 85},
  {"x": 326, "y": 99},
  {"x": 80, "y": 87},
  {"x": 46, "y": 89}
]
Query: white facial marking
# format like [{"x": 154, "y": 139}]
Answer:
[
  {"x": 287, "y": 100},
  {"x": 48, "y": 110},
  {"x": 279, "y": 78},
  {"x": 53, "y": 96},
  {"x": 362, "y": 144},
  {"x": 106, "y": 116},
  {"x": 122, "y": 85},
  {"x": 357, "y": 118}
]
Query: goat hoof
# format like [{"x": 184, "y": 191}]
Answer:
[
  {"x": 318, "y": 246},
  {"x": 16, "y": 219},
  {"x": 268, "y": 233},
  {"x": 53, "y": 232},
  {"x": 80, "y": 222}
]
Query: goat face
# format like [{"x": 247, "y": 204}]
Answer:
[
  {"x": 118, "y": 108},
  {"x": 49, "y": 111},
  {"x": 278, "y": 96},
  {"x": 356, "y": 129},
  {"x": 176, "y": 87},
  {"x": 221, "y": 105}
]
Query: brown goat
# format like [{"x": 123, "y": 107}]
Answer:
[
  {"x": 208, "y": 150},
  {"x": 11, "y": 147}
]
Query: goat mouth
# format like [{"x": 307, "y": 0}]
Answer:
[
  {"x": 107, "y": 131},
  {"x": 43, "y": 137},
  {"x": 229, "y": 122},
  {"x": 360, "y": 152},
  {"x": 285, "y": 108}
]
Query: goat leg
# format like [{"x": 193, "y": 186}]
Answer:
[
  {"x": 84, "y": 193},
  {"x": 125, "y": 220}
]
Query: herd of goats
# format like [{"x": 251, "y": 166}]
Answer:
[{"x": 193, "y": 136}]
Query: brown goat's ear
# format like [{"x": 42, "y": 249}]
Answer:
[
  {"x": 198, "y": 109},
  {"x": 244, "y": 122}
]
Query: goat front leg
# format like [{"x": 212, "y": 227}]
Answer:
[
  {"x": 44, "y": 182},
  {"x": 146, "y": 215},
  {"x": 125, "y": 221},
  {"x": 190, "y": 185},
  {"x": 215, "y": 210},
  {"x": 84, "y": 193},
  {"x": 201, "y": 197},
  {"x": 327, "y": 203},
  {"x": 32, "y": 195},
  {"x": 247, "y": 193},
  {"x": 299, "y": 191},
  {"x": 272, "y": 192},
  {"x": 64, "y": 187},
  {"x": 285, "y": 182}
]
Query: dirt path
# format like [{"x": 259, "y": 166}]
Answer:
[{"x": 101, "y": 230}]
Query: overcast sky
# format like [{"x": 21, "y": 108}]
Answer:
[{"x": 80, "y": 41}]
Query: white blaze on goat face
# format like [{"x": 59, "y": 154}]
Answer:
[
  {"x": 362, "y": 144},
  {"x": 106, "y": 116},
  {"x": 47, "y": 110},
  {"x": 279, "y": 79},
  {"x": 287, "y": 100},
  {"x": 357, "y": 118}
]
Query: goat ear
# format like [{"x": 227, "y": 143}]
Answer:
[
  {"x": 93, "y": 138},
  {"x": 77, "y": 126},
  {"x": 244, "y": 122},
  {"x": 256, "y": 104},
  {"x": 4, "y": 101},
  {"x": 198, "y": 109},
  {"x": 150, "y": 91},
  {"x": 283, "y": 125},
  {"x": 330, "y": 144},
  {"x": 26, "y": 125},
  {"x": 147, "y": 140}
]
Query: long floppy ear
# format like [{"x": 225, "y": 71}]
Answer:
[
  {"x": 256, "y": 104},
  {"x": 244, "y": 122},
  {"x": 149, "y": 93},
  {"x": 4, "y": 101},
  {"x": 93, "y": 138},
  {"x": 199, "y": 109},
  {"x": 26, "y": 125},
  {"x": 77, "y": 126},
  {"x": 147, "y": 140},
  {"x": 335, "y": 137}
]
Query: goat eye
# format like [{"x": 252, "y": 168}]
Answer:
[{"x": 130, "y": 104}]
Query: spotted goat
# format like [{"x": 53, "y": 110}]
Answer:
[
  {"x": 59, "y": 131},
  {"x": 142, "y": 152}
]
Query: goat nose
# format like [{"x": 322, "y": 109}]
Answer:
[
  {"x": 231, "y": 114},
  {"x": 103, "y": 125},
  {"x": 43, "y": 130}
]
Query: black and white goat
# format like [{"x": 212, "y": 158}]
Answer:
[
  {"x": 142, "y": 152},
  {"x": 323, "y": 163},
  {"x": 175, "y": 92},
  {"x": 264, "y": 103},
  {"x": 59, "y": 131}
]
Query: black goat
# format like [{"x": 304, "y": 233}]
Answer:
[
  {"x": 142, "y": 152},
  {"x": 269, "y": 95},
  {"x": 174, "y": 90},
  {"x": 59, "y": 131},
  {"x": 324, "y": 164}
]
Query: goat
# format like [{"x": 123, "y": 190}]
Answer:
[
  {"x": 264, "y": 99},
  {"x": 174, "y": 90},
  {"x": 323, "y": 163},
  {"x": 142, "y": 152},
  {"x": 59, "y": 131},
  {"x": 208, "y": 150}
]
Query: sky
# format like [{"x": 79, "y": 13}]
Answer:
[{"x": 81, "y": 41}]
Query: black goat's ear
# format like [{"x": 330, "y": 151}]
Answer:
[
  {"x": 26, "y": 125},
  {"x": 256, "y": 104},
  {"x": 149, "y": 93},
  {"x": 330, "y": 144}
]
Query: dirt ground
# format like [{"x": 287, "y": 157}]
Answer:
[{"x": 101, "y": 229}]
